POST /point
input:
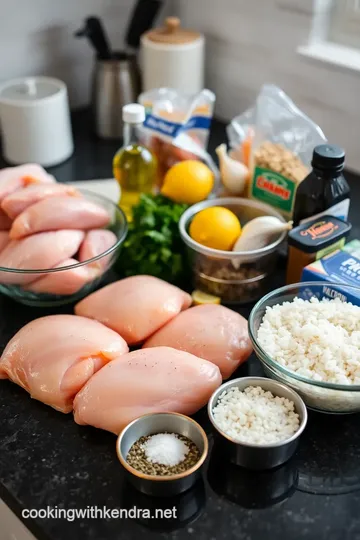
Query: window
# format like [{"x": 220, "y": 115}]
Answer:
[
  {"x": 344, "y": 25},
  {"x": 335, "y": 34}
]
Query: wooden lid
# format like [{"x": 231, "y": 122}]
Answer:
[{"x": 172, "y": 33}]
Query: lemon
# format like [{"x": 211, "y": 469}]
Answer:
[
  {"x": 200, "y": 298},
  {"x": 215, "y": 227},
  {"x": 188, "y": 182}
]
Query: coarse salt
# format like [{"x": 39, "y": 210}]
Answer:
[
  {"x": 165, "y": 449},
  {"x": 255, "y": 415}
]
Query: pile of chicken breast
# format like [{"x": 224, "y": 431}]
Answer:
[
  {"x": 44, "y": 225},
  {"x": 82, "y": 363}
]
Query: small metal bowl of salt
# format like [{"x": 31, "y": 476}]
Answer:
[
  {"x": 162, "y": 453},
  {"x": 259, "y": 421}
]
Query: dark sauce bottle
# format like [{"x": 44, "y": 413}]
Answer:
[{"x": 324, "y": 190}]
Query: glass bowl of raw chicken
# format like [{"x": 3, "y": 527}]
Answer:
[
  {"x": 237, "y": 277},
  {"x": 57, "y": 247}
]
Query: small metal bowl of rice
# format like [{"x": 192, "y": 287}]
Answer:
[
  {"x": 259, "y": 421},
  {"x": 163, "y": 436},
  {"x": 307, "y": 336}
]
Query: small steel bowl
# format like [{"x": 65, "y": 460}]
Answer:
[
  {"x": 150, "y": 424},
  {"x": 212, "y": 269},
  {"x": 256, "y": 456}
]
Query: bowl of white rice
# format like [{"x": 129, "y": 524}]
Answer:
[
  {"x": 259, "y": 421},
  {"x": 307, "y": 336}
]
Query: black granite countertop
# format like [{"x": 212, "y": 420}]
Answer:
[{"x": 48, "y": 460}]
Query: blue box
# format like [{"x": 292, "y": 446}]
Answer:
[{"x": 343, "y": 267}]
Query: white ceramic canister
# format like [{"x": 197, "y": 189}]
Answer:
[
  {"x": 173, "y": 57},
  {"x": 35, "y": 121}
]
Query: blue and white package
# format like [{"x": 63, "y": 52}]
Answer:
[
  {"x": 341, "y": 267},
  {"x": 170, "y": 113},
  {"x": 179, "y": 120}
]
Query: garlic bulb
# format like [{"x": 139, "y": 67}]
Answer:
[
  {"x": 258, "y": 233},
  {"x": 233, "y": 173}
]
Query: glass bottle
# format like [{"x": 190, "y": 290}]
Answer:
[
  {"x": 134, "y": 166},
  {"x": 324, "y": 190}
]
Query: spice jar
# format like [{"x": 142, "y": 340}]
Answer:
[{"x": 312, "y": 241}]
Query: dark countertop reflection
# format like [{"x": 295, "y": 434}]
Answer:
[
  {"x": 249, "y": 489},
  {"x": 181, "y": 510}
]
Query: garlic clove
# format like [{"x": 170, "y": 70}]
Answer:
[
  {"x": 233, "y": 173},
  {"x": 258, "y": 233}
]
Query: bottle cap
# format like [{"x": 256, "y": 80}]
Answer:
[
  {"x": 319, "y": 233},
  {"x": 133, "y": 113},
  {"x": 328, "y": 156}
]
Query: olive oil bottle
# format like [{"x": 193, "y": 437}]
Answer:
[{"x": 134, "y": 166}]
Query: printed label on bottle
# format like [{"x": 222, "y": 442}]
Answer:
[
  {"x": 274, "y": 189},
  {"x": 339, "y": 210}
]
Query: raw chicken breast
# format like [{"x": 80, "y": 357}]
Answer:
[
  {"x": 14, "y": 178},
  {"x": 38, "y": 252},
  {"x": 4, "y": 239},
  {"x": 212, "y": 332},
  {"x": 5, "y": 221},
  {"x": 53, "y": 357},
  {"x": 59, "y": 213},
  {"x": 135, "y": 307},
  {"x": 72, "y": 280},
  {"x": 17, "y": 202},
  {"x": 145, "y": 381},
  {"x": 65, "y": 282},
  {"x": 96, "y": 242}
]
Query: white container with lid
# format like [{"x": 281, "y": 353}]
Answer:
[
  {"x": 173, "y": 57},
  {"x": 35, "y": 121}
]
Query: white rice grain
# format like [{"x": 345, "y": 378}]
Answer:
[
  {"x": 319, "y": 340},
  {"x": 255, "y": 416}
]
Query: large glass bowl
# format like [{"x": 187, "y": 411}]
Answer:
[
  {"x": 213, "y": 270},
  {"x": 318, "y": 395},
  {"x": 118, "y": 225}
]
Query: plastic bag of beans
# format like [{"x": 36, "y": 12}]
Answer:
[{"x": 275, "y": 140}]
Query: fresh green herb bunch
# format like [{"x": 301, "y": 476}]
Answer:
[{"x": 153, "y": 245}]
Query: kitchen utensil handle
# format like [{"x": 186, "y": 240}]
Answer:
[
  {"x": 96, "y": 34},
  {"x": 141, "y": 20}
]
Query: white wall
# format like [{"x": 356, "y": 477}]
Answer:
[
  {"x": 36, "y": 37},
  {"x": 250, "y": 42}
]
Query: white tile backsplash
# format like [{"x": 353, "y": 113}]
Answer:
[
  {"x": 37, "y": 37},
  {"x": 248, "y": 43},
  {"x": 253, "y": 42}
]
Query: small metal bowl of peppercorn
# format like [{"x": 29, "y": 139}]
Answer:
[{"x": 162, "y": 453}]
